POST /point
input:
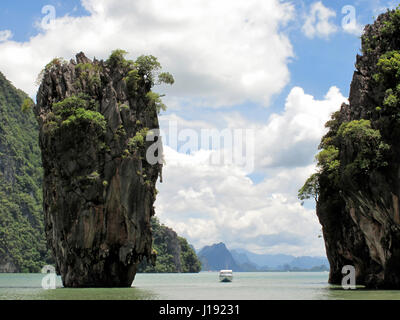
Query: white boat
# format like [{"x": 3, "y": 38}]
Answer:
[{"x": 225, "y": 275}]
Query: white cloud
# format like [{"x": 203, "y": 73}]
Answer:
[
  {"x": 353, "y": 28},
  {"x": 221, "y": 53},
  {"x": 318, "y": 22},
  {"x": 167, "y": 120},
  {"x": 290, "y": 139},
  {"x": 208, "y": 204},
  {"x": 211, "y": 203},
  {"x": 350, "y": 21},
  {"x": 381, "y": 6},
  {"x": 5, "y": 35}
]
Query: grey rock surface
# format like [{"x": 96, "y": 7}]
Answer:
[{"x": 98, "y": 190}]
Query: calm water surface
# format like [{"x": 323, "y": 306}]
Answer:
[{"x": 204, "y": 285}]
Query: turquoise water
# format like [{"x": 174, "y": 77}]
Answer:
[{"x": 201, "y": 286}]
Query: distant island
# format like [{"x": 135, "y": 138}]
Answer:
[
  {"x": 174, "y": 253},
  {"x": 217, "y": 257}
]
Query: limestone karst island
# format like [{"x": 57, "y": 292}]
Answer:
[
  {"x": 249, "y": 153},
  {"x": 356, "y": 187}
]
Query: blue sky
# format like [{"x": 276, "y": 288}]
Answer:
[
  {"x": 21, "y": 16},
  {"x": 278, "y": 68}
]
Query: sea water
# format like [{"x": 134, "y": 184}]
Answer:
[{"x": 197, "y": 286}]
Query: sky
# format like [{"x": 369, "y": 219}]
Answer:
[{"x": 261, "y": 76}]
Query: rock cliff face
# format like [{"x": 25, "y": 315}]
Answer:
[
  {"x": 98, "y": 187},
  {"x": 358, "y": 186}
]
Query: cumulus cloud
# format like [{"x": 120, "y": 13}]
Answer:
[
  {"x": 220, "y": 53},
  {"x": 318, "y": 22},
  {"x": 381, "y": 6},
  {"x": 290, "y": 138},
  {"x": 5, "y": 35},
  {"x": 353, "y": 28},
  {"x": 210, "y": 203}
]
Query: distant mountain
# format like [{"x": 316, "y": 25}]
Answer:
[
  {"x": 217, "y": 257},
  {"x": 309, "y": 262},
  {"x": 265, "y": 262},
  {"x": 271, "y": 261},
  {"x": 244, "y": 262},
  {"x": 239, "y": 257}
]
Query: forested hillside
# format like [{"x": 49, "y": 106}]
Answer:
[
  {"x": 174, "y": 254},
  {"x": 22, "y": 242}
]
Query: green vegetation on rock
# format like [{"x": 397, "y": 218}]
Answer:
[
  {"x": 53, "y": 63},
  {"x": 144, "y": 69},
  {"x": 117, "y": 59},
  {"x": 356, "y": 187},
  {"x": 89, "y": 74},
  {"x": 22, "y": 241},
  {"x": 149, "y": 68},
  {"x": 365, "y": 142},
  {"x": 75, "y": 126},
  {"x": 368, "y": 152},
  {"x": 174, "y": 254},
  {"x": 27, "y": 105},
  {"x": 362, "y": 138},
  {"x": 189, "y": 260},
  {"x": 138, "y": 140},
  {"x": 154, "y": 101},
  {"x": 310, "y": 188},
  {"x": 76, "y": 112}
]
